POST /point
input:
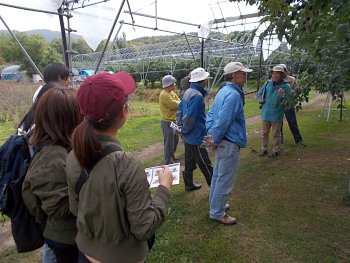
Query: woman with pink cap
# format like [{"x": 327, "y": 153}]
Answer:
[{"x": 116, "y": 214}]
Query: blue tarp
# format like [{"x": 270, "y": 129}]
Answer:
[
  {"x": 86, "y": 72},
  {"x": 11, "y": 73}
]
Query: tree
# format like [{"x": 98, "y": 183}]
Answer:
[
  {"x": 56, "y": 44},
  {"x": 319, "y": 34},
  {"x": 102, "y": 45},
  {"x": 36, "y": 46},
  {"x": 82, "y": 47}
]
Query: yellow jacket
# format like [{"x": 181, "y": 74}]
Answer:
[{"x": 168, "y": 104}]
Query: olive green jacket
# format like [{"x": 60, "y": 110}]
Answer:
[
  {"x": 45, "y": 191},
  {"x": 115, "y": 211}
]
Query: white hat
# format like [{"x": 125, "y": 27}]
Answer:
[
  {"x": 235, "y": 67},
  {"x": 280, "y": 69},
  {"x": 198, "y": 74},
  {"x": 167, "y": 81},
  {"x": 283, "y": 66}
]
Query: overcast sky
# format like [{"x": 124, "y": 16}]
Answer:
[{"x": 191, "y": 11}]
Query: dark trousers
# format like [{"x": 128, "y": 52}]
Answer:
[
  {"x": 293, "y": 125},
  {"x": 195, "y": 155},
  {"x": 65, "y": 255}
]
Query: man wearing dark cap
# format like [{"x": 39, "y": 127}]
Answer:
[
  {"x": 169, "y": 104},
  {"x": 272, "y": 115},
  {"x": 290, "y": 114},
  {"x": 226, "y": 130},
  {"x": 191, "y": 118}
]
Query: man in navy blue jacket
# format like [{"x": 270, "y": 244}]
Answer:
[
  {"x": 226, "y": 130},
  {"x": 191, "y": 118}
]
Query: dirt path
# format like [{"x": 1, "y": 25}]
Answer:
[
  {"x": 155, "y": 150},
  {"x": 6, "y": 240}
]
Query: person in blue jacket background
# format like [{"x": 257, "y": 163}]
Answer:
[
  {"x": 226, "y": 130},
  {"x": 191, "y": 118},
  {"x": 270, "y": 94}
]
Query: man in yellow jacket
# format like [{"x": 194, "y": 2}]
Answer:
[{"x": 169, "y": 104}]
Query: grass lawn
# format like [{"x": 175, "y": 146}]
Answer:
[{"x": 292, "y": 208}]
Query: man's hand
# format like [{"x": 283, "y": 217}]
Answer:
[
  {"x": 280, "y": 91},
  {"x": 179, "y": 133},
  {"x": 209, "y": 138}
]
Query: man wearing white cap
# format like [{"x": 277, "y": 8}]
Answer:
[
  {"x": 226, "y": 130},
  {"x": 290, "y": 114},
  {"x": 191, "y": 118},
  {"x": 271, "y": 93},
  {"x": 169, "y": 104}
]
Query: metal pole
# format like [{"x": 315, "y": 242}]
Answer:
[
  {"x": 64, "y": 39},
  {"x": 341, "y": 104},
  {"x": 259, "y": 73},
  {"x": 161, "y": 18},
  {"x": 202, "y": 53},
  {"x": 111, "y": 46},
  {"x": 190, "y": 49},
  {"x": 109, "y": 36},
  {"x": 32, "y": 9},
  {"x": 23, "y": 50},
  {"x": 155, "y": 5}
]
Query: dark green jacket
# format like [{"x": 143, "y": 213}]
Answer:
[
  {"x": 45, "y": 191},
  {"x": 115, "y": 211}
]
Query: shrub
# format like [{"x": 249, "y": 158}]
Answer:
[{"x": 154, "y": 97}]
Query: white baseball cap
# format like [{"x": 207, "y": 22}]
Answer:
[
  {"x": 233, "y": 67},
  {"x": 199, "y": 74}
]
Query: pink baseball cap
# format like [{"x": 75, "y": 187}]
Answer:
[{"x": 101, "y": 96}]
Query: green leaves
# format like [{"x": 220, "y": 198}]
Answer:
[
  {"x": 343, "y": 28},
  {"x": 319, "y": 33}
]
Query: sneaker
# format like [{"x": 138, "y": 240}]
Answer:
[
  {"x": 301, "y": 144},
  {"x": 227, "y": 207},
  {"x": 262, "y": 152},
  {"x": 226, "y": 220},
  {"x": 175, "y": 158},
  {"x": 273, "y": 154}
]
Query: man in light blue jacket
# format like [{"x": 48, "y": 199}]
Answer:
[
  {"x": 272, "y": 93},
  {"x": 226, "y": 130}
]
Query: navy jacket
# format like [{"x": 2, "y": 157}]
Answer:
[{"x": 191, "y": 114}]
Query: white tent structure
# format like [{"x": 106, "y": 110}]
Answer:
[{"x": 96, "y": 20}]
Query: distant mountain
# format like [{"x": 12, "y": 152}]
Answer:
[{"x": 49, "y": 35}]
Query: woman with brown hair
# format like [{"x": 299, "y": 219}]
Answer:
[
  {"x": 45, "y": 190},
  {"x": 116, "y": 214}
]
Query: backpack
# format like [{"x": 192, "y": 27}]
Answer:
[
  {"x": 15, "y": 160},
  {"x": 12, "y": 155}
]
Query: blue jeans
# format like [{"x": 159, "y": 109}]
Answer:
[
  {"x": 224, "y": 176},
  {"x": 48, "y": 255}
]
